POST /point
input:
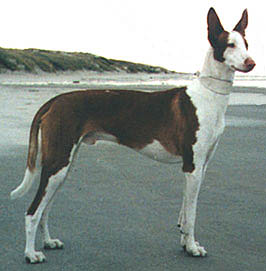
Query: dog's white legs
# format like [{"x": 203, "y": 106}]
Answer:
[
  {"x": 48, "y": 242},
  {"x": 33, "y": 217},
  {"x": 187, "y": 216},
  {"x": 31, "y": 225},
  {"x": 188, "y": 213}
]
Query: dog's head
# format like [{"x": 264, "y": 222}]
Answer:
[{"x": 230, "y": 48}]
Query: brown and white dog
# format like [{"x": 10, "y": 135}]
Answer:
[{"x": 181, "y": 124}]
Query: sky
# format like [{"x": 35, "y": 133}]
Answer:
[{"x": 167, "y": 33}]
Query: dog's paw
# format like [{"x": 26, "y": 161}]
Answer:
[
  {"x": 195, "y": 250},
  {"x": 34, "y": 257},
  {"x": 53, "y": 244}
]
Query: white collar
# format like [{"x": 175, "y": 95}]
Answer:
[{"x": 216, "y": 85}]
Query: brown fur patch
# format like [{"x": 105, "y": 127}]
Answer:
[{"x": 136, "y": 119}]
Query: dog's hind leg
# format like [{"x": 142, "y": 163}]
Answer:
[
  {"x": 48, "y": 242},
  {"x": 48, "y": 186},
  {"x": 52, "y": 177}
]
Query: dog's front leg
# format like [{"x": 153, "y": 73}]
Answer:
[
  {"x": 188, "y": 216},
  {"x": 181, "y": 219}
]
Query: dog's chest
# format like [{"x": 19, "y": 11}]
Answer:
[{"x": 210, "y": 110}]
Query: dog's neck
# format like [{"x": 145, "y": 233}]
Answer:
[{"x": 216, "y": 76}]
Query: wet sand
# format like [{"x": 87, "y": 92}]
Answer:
[{"x": 118, "y": 210}]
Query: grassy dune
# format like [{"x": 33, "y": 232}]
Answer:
[{"x": 35, "y": 60}]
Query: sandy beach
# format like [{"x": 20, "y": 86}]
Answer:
[{"x": 118, "y": 210}]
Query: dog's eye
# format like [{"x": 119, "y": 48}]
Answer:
[{"x": 231, "y": 45}]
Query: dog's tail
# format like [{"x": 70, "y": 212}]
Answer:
[{"x": 30, "y": 173}]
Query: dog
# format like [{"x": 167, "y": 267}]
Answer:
[{"x": 177, "y": 125}]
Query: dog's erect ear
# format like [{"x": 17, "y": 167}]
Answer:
[
  {"x": 215, "y": 27},
  {"x": 242, "y": 24}
]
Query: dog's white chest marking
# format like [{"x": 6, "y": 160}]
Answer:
[{"x": 210, "y": 110}]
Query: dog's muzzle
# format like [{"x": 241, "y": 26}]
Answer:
[{"x": 248, "y": 66}]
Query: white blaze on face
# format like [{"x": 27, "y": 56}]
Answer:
[{"x": 236, "y": 54}]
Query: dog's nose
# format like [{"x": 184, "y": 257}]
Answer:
[{"x": 250, "y": 64}]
